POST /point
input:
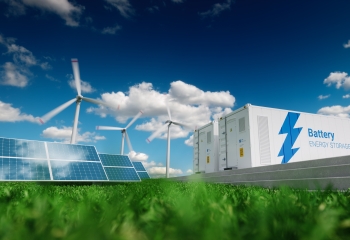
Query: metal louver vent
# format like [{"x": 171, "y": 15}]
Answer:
[
  {"x": 264, "y": 140},
  {"x": 209, "y": 137},
  {"x": 241, "y": 123}
]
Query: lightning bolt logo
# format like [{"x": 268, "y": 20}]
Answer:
[{"x": 292, "y": 134}]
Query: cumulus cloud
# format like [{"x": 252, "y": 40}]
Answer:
[
  {"x": 217, "y": 9},
  {"x": 11, "y": 114},
  {"x": 17, "y": 73},
  {"x": 137, "y": 156},
  {"x": 64, "y": 135},
  {"x": 346, "y": 96},
  {"x": 84, "y": 86},
  {"x": 63, "y": 8},
  {"x": 13, "y": 75},
  {"x": 189, "y": 171},
  {"x": 123, "y": 6},
  {"x": 337, "y": 110},
  {"x": 111, "y": 30},
  {"x": 162, "y": 171},
  {"x": 347, "y": 45},
  {"x": 189, "y": 142},
  {"x": 321, "y": 97},
  {"x": 340, "y": 79},
  {"x": 193, "y": 107}
]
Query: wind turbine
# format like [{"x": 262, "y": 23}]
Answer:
[
  {"x": 161, "y": 129},
  {"x": 123, "y": 130},
  {"x": 77, "y": 99}
]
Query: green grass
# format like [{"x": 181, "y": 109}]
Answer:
[{"x": 159, "y": 209}]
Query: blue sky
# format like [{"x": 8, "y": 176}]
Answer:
[{"x": 210, "y": 58}]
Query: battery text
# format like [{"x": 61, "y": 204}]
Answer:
[{"x": 320, "y": 134}]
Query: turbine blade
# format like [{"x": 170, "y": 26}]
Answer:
[
  {"x": 182, "y": 125},
  {"x": 167, "y": 107},
  {"x": 134, "y": 119},
  {"x": 56, "y": 111},
  {"x": 128, "y": 141},
  {"x": 98, "y": 102},
  {"x": 108, "y": 128},
  {"x": 76, "y": 74},
  {"x": 156, "y": 133}
]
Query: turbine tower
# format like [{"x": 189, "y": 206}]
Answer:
[
  {"x": 161, "y": 129},
  {"x": 77, "y": 99},
  {"x": 123, "y": 131}
]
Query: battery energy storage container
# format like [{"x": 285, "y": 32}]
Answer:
[
  {"x": 255, "y": 136},
  {"x": 205, "y": 145}
]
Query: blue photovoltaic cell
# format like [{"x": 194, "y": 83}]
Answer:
[
  {"x": 23, "y": 169},
  {"x": 22, "y": 148},
  {"x": 68, "y": 170},
  {"x": 143, "y": 175},
  {"x": 115, "y": 160},
  {"x": 121, "y": 174},
  {"x": 139, "y": 166},
  {"x": 72, "y": 152}
]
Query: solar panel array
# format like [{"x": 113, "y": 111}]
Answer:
[
  {"x": 141, "y": 171},
  {"x": 26, "y": 160},
  {"x": 118, "y": 167}
]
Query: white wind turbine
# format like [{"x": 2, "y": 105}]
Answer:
[
  {"x": 124, "y": 132},
  {"x": 77, "y": 99},
  {"x": 161, "y": 129}
]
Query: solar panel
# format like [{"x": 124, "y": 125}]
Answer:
[
  {"x": 23, "y": 169},
  {"x": 46, "y": 161},
  {"x": 115, "y": 160},
  {"x": 72, "y": 152},
  {"x": 22, "y": 148},
  {"x": 138, "y": 166},
  {"x": 141, "y": 171},
  {"x": 74, "y": 170},
  {"x": 143, "y": 175},
  {"x": 121, "y": 174}
]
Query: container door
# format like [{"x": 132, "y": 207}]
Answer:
[
  {"x": 202, "y": 151},
  {"x": 231, "y": 135},
  {"x": 222, "y": 142}
]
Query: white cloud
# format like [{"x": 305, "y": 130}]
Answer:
[
  {"x": 66, "y": 10},
  {"x": 321, "y": 97},
  {"x": 192, "y": 106},
  {"x": 217, "y": 9},
  {"x": 123, "y": 6},
  {"x": 162, "y": 170},
  {"x": 111, "y": 30},
  {"x": 347, "y": 45},
  {"x": 336, "y": 110},
  {"x": 51, "y": 78},
  {"x": 346, "y": 96},
  {"x": 13, "y": 75},
  {"x": 189, "y": 171},
  {"x": 189, "y": 142},
  {"x": 85, "y": 86},
  {"x": 340, "y": 79},
  {"x": 64, "y": 134},
  {"x": 11, "y": 114},
  {"x": 189, "y": 94},
  {"x": 17, "y": 73},
  {"x": 137, "y": 156}
]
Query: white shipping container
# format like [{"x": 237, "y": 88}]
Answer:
[
  {"x": 205, "y": 146},
  {"x": 255, "y": 136}
]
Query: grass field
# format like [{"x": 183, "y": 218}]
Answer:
[{"x": 159, "y": 209}]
